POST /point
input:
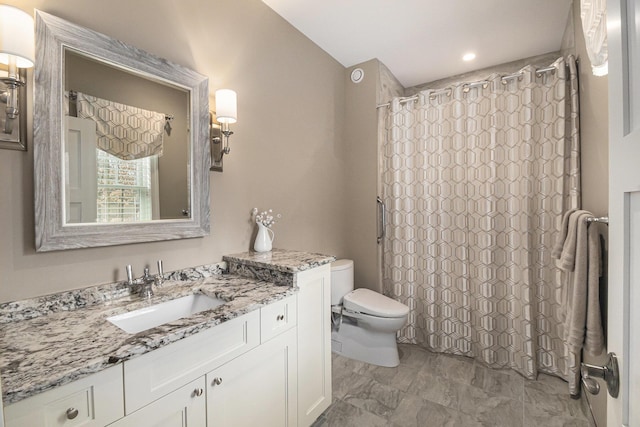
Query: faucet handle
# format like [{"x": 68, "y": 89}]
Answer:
[
  {"x": 129, "y": 274},
  {"x": 160, "y": 277},
  {"x": 160, "y": 269}
]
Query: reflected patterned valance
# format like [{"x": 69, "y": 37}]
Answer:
[
  {"x": 593, "y": 14},
  {"x": 123, "y": 131}
]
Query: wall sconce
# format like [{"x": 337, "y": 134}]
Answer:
[
  {"x": 17, "y": 50},
  {"x": 226, "y": 113}
]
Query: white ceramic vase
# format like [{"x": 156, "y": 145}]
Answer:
[{"x": 264, "y": 239}]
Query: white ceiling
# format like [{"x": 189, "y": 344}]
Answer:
[{"x": 423, "y": 40}]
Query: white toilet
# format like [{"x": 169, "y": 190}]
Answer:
[{"x": 364, "y": 322}]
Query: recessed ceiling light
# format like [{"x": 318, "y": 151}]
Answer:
[{"x": 469, "y": 56}]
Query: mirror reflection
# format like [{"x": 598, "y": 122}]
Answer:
[{"x": 126, "y": 145}]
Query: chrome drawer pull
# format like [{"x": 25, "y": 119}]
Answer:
[
  {"x": 72, "y": 413},
  {"x": 217, "y": 381},
  {"x": 280, "y": 317},
  {"x": 198, "y": 392}
]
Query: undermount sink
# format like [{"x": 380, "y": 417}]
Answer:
[{"x": 159, "y": 314}]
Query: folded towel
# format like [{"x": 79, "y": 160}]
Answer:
[
  {"x": 577, "y": 219},
  {"x": 557, "y": 248},
  {"x": 594, "y": 338},
  {"x": 575, "y": 321},
  {"x": 580, "y": 258}
]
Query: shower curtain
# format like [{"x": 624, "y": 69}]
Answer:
[{"x": 475, "y": 180}]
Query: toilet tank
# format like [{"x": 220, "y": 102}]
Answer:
[{"x": 341, "y": 279}]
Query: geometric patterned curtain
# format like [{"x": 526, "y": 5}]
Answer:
[
  {"x": 123, "y": 131},
  {"x": 475, "y": 183}
]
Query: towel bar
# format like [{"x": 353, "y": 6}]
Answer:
[{"x": 602, "y": 219}]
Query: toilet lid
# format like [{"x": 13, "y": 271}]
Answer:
[{"x": 369, "y": 302}]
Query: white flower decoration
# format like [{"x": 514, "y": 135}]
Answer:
[{"x": 265, "y": 217}]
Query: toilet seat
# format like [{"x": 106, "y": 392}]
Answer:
[{"x": 372, "y": 303}]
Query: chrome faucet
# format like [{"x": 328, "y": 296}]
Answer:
[{"x": 147, "y": 281}]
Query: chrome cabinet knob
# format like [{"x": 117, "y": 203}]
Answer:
[
  {"x": 72, "y": 413},
  {"x": 198, "y": 392},
  {"x": 280, "y": 317},
  {"x": 217, "y": 381}
]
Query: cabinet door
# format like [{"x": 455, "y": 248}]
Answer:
[
  {"x": 95, "y": 400},
  {"x": 184, "y": 407},
  {"x": 157, "y": 373},
  {"x": 314, "y": 343},
  {"x": 257, "y": 388}
]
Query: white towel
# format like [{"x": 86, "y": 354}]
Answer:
[
  {"x": 557, "y": 248},
  {"x": 577, "y": 292},
  {"x": 594, "y": 338},
  {"x": 568, "y": 255},
  {"x": 583, "y": 327}
]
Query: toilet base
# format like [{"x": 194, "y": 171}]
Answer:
[{"x": 377, "y": 348}]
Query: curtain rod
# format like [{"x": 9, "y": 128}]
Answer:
[
  {"x": 467, "y": 86},
  {"x": 73, "y": 97}
]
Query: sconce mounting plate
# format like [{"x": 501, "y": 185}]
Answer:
[
  {"x": 217, "y": 147},
  {"x": 13, "y": 132}
]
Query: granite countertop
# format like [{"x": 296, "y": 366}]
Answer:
[
  {"x": 283, "y": 260},
  {"x": 40, "y": 353}
]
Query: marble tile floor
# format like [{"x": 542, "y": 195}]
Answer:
[{"x": 438, "y": 390}]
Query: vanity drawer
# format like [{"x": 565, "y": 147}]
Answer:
[
  {"x": 96, "y": 400},
  {"x": 157, "y": 373},
  {"x": 277, "y": 317}
]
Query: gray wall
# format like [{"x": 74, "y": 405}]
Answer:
[
  {"x": 361, "y": 137},
  {"x": 362, "y": 186},
  {"x": 594, "y": 127},
  {"x": 287, "y": 151}
]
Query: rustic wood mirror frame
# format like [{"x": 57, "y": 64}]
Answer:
[{"x": 53, "y": 36}]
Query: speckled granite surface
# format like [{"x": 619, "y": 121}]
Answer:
[
  {"x": 53, "y": 340},
  {"x": 45, "y": 351},
  {"x": 282, "y": 260},
  {"x": 262, "y": 273},
  {"x": 87, "y": 297}
]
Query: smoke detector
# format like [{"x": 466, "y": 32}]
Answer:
[{"x": 357, "y": 75}]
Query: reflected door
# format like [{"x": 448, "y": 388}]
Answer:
[{"x": 80, "y": 171}]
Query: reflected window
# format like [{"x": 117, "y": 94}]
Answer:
[{"x": 126, "y": 188}]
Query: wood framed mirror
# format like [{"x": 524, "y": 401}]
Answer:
[{"x": 121, "y": 142}]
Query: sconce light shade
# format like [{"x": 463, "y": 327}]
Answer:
[
  {"x": 226, "y": 106},
  {"x": 16, "y": 37}
]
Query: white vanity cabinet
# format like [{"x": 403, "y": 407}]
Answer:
[
  {"x": 241, "y": 373},
  {"x": 93, "y": 401},
  {"x": 257, "y": 388},
  {"x": 314, "y": 343}
]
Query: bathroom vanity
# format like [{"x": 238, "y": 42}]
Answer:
[{"x": 261, "y": 358}]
